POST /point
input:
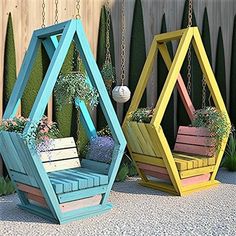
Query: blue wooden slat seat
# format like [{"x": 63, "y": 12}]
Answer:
[{"x": 74, "y": 179}]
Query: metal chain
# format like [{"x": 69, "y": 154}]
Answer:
[
  {"x": 108, "y": 53},
  {"x": 43, "y": 14},
  {"x": 122, "y": 61},
  {"x": 190, "y": 16},
  {"x": 56, "y": 12},
  {"x": 77, "y": 16},
  {"x": 203, "y": 92}
]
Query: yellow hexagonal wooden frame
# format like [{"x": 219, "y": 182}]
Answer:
[{"x": 147, "y": 143}]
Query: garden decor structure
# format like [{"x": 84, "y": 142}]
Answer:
[
  {"x": 60, "y": 188},
  {"x": 193, "y": 164}
]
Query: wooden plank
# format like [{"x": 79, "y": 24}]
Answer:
[
  {"x": 61, "y": 165},
  {"x": 194, "y": 131},
  {"x": 24, "y": 179},
  {"x": 152, "y": 168},
  {"x": 196, "y": 179},
  {"x": 61, "y": 143},
  {"x": 157, "y": 175},
  {"x": 29, "y": 189},
  {"x": 80, "y": 194},
  {"x": 143, "y": 129},
  {"x": 165, "y": 37},
  {"x": 143, "y": 143},
  {"x": 38, "y": 199},
  {"x": 103, "y": 179},
  {"x": 195, "y": 140},
  {"x": 136, "y": 145},
  {"x": 82, "y": 203},
  {"x": 99, "y": 167},
  {"x": 59, "y": 154},
  {"x": 189, "y": 149},
  {"x": 148, "y": 159},
  {"x": 194, "y": 172},
  {"x": 182, "y": 164}
]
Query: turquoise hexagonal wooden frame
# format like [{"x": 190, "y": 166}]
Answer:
[{"x": 23, "y": 162}]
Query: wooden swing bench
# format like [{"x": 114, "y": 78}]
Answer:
[
  {"x": 193, "y": 163},
  {"x": 55, "y": 184}
]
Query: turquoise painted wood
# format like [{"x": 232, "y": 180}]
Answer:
[{"x": 23, "y": 162}]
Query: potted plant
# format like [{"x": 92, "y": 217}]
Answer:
[
  {"x": 215, "y": 121},
  {"x": 142, "y": 115}
]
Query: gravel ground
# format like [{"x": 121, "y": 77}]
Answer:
[{"x": 139, "y": 211}]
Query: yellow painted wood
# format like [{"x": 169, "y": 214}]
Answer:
[
  {"x": 143, "y": 129},
  {"x": 160, "y": 140},
  {"x": 148, "y": 159},
  {"x": 143, "y": 143},
  {"x": 183, "y": 164},
  {"x": 197, "y": 171},
  {"x": 196, "y": 187},
  {"x": 166, "y": 37},
  {"x": 172, "y": 77},
  {"x": 159, "y": 186}
]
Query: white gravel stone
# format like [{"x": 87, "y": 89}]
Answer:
[{"x": 139, "y": 211}]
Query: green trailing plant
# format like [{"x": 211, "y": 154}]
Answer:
[
  {"x": 168, "y": 121},
  {"x": 137, "y": 53},
  {"x": 132, "y": 169},
  {"x": 74, "y": 85},
  {"x": 233, "y": 77},
  {"x": 108, "y": 74},
  {"x": 220, "y": 65},
  {"x": 142, "y": 115},
  {"x": 6, "y": 186},
  {"x": 106, "y": 131},
  {"x": 215, "y": 121},
  {"x": 229, "y": 161},
  {"x": 122, "y": 173}
]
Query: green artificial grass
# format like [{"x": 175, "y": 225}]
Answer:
[
  {"x": 37, "y": 74},
  {"x": 206, "y": 38},
  {"x": 220, "y": 65},
  {"x": 9, "y": 72},
  {"x": 162, "y": 72},
  {"x": 101, "y": 56},
  {"x": 233, "y": 77},
  {"x": 196, "y": 80},
  {"x": 137, "y": 54}
]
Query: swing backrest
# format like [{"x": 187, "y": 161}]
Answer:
[
  {"x": 194, "y": 141},
  {"x": 63, "y": 155}
]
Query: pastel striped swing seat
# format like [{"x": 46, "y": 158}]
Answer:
[
  {"x": 56, "y": 185},
  {"x": 193, "y": 163}
]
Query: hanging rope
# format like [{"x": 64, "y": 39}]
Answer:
[
  {"x": 122, "y": 58},
  {"x": 56, "y": 12},
  {"x": 43, "y": 14},
  {"x": 189, "y": 75}
]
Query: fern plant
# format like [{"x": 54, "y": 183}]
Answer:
[
  {"x": 229, "y": 161},
  {"x": 6, "y": 186}
]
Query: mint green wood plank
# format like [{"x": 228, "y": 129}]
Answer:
[
  {"x": 65, "y": 178},
  {"x": 57, "y": 185},
  {"x": 98, "y": 167},
  {"x": 95, "y": 179},
  {"x": 76, "y": 195},
  {"x": 14, "y": 158},
  {"x": 22, "y": 79},
  {"x": 103, "y": 179},
  {"x": 24, "y": 179},
  {"x": 81, "y": 175},
  {"x": 83, "y": 182}
]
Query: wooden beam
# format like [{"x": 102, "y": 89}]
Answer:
[{"x": 169, "y": 36}]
